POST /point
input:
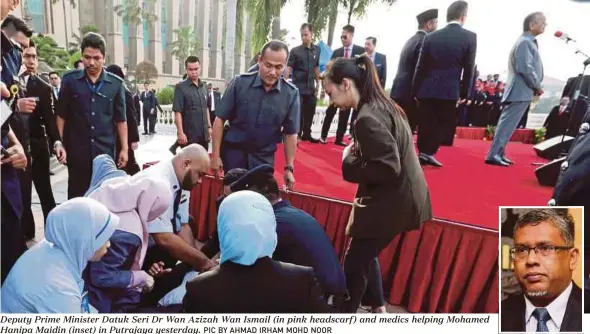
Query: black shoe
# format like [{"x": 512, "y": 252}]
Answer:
[
  {"x": 310, "y": 139},
  {"x": 429, "y": 160},
  {"x": 152, "y": 132},
  {"x": 340, "y": 143},
  {"x": 145, "y": 133},
  {"x": 496, "y": 162},
  {"x": 508, "y": 161},
  {"x": 323, "y": 140}
]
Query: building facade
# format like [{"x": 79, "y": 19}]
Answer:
[{"x": 129, "y": 44}]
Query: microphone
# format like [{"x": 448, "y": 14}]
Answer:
[{"x": 564, "y": 36}]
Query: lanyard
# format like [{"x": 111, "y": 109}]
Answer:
[{"x": 95, "y": 88}]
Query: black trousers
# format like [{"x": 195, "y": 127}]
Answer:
[
  {"x": 411, "y": 111},
  {"x": 436, "y": 118},
  {"x": 149, "y": 122},
  {"x": 166, "y": 282},
  {"x": 450, "y": 129},
  {"x": 308, "y": 105},
  {"x": 132, "y": 167},
  {"x": 363, "y": 275},
  {"x": 79, "y": 175},
  {"x": 342, "y": 122},
  {"x": 27, "y": 220},
  {"x": 40, "y": 167},
  {"x": 13, "y": 242}
]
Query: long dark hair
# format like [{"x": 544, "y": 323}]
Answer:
[{"x": 362, "y": 71}]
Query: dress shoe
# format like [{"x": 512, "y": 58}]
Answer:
[
  {"x": 323, "y": 140},
  {"x": 508, "y": 161},
  {"x": 430, "y": 160},
  {"x": 340, "y": 143},
  {"x": 310, "y": 139},
  {"x": 497, "y": 162}
]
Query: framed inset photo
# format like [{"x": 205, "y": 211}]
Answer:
[{"x": 541, "y": 265}]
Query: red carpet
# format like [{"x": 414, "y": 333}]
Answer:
[{"x": 465, "y": 190}]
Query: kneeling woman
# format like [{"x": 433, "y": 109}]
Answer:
[
  {"x": 392, "y": 196},
  {"x": 48, "y": 277},
  {"x": 115, "y": 283}
]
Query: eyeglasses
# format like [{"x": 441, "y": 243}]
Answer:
[{"x": 521, "y": 253}]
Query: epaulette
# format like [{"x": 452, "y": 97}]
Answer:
[
  {"x": 289, "y": 83},
  {"x": 114, "y": 76},
  {"x": 70, "y": 72},
  {"x": 248, "y": 74}
]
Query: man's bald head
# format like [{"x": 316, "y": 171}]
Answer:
[{"x": 190, "y": 165}]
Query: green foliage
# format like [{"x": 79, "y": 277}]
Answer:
[
  {"x": 77, "y": 37},
  {"x": 74, "y": 57},
  {"x": 72, "y": 2},
  {"x": 490, "y": 131},
  {"x": 145, "y": 71},
  {"x": 49, "y": 52},
  {"x": 165, "y": 95},
  {"x": 540, "y": 135},
  {"x": 135, "y": 12},
  {"x": 358, "y": 8},
  {"x": 185, "y": 44},
  {"x": 262, "y": 14}
]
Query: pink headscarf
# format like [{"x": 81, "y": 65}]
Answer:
[{"x": 136, "y": 201}]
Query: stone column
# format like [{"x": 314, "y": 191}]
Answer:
[
  {"x": 216, "y": 54},
  {"x": 113, "y": 33},
  {"x": 187, "y": 16},
  {"x": 202, "y": 33},
  {"x": 171, "y": 64},
  {"x": 155, "y": 40},
  {"x": 136, "y": 54},
  {"x": 247, "y": 42},
  {"x": 86, "y": 12}
]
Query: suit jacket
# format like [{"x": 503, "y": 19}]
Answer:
[
  {"x": 446, "y": 54},
  {"x": 402, "y": 84},
  {"x": 391, "y": 181},
  {"x": 216, "y": 96},
  {"x": 381, "y": 67},
  {"x": 267, "y": 286},
  {"x": 514, "y": 309},
  {"x": 132, "y": 131},
  {"x": 525, "y": 70},
  {"x": 356, "y": 51}
]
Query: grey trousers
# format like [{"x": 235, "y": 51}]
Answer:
[{"x": 508, "y": 122}]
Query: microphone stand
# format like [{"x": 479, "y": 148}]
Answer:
[{"x": 576, "y": 99}]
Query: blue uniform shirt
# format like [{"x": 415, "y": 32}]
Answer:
[
  {"x": 257, "y": 118},
  {"x": 91, "y": 113}
]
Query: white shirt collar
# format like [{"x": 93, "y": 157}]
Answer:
[
  {"x": 455, "y": 22},
  {"x": 556, "y": 310},
  {"x": 165, "y": 170}
]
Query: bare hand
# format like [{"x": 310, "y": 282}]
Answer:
[
  {"x": 16, "y": 158},
  {"x": 182, "y": 140},
  {"x": 123, "y": 158},
  {"x": 4, "y": 90},
  {"x": 217, "y": 166},
  {"x": 134, "y": 146},
  {"x": 469, "y": 102},
  {"x": 539, "y": 92},
  {"x": 210, "y": 264},
  {"x": 157, "y": 269},
  {"x": 26, "y": 104},
  {"x": 60, "y": 153},
  {"x": 289, "y": 179}
]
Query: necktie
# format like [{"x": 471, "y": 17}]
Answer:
[
  {"x": 345, "y": 52},
  {"x": 542, "y": 316},
  {"x": 177, "y": 197}
]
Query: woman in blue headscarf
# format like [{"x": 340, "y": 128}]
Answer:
[
  {"x": 48, "y": 277},
  {"x": 248, "y": 280}
]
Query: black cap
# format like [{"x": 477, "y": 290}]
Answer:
[
  {"x": 426, "y": 16},
  {"x": 262, "y": 172},
  {"x": 233, "y": 175}
]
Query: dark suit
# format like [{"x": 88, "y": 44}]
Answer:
[
  {"x": 381, "y": 67},
  {"x": 391, "y": 184},
  {"x": 216, "y": 101},
  {"x": 267, "y": 286},
  {"x": 132, "y": 167},
  {"x": 444, "y": 74},
  {"x": 401, "y": 91},
  {"x": 331, "y": 110},
  {"x": 32, "y": 131},
  {"x": 514, "y": 309}
]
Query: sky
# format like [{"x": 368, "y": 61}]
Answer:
[{"x": 498, "y": 23}]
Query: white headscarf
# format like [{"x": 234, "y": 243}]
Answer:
[
  {"x": 48, "y": 277},
  {"x": 247, "y": 228}
]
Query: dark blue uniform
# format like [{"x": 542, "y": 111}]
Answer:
[
  {"x": 91, "y": 113},
  {"x": 257, "y": 120},
  {"x": 13, "y": 243}
]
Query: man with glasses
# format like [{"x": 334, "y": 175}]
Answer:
[
  {"x": 348, "y": 50},
  {"x": 544, "y": 258}
]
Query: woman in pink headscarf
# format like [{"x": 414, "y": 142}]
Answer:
[{"x": 116, "y": 282}]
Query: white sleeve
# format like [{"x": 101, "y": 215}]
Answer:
[
  {"x": 162, "y": 224},
  {"x": 183, "y": 208}
]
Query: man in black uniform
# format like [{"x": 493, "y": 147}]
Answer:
[
  {"x": 402, "y": 84},
  {"x": 348, "y": 50},
  {"x": 304, "y": 63}
]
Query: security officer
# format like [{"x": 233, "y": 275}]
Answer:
[
  {"x": 91, "y": 104},
  {"x": 573, "y": 185},
  {"x": 260, "y": 107}
]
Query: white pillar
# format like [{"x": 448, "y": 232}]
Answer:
[
  {"x": 188, "y": 13},
  {"x": 155, "y": 39},
  {"x": 216, "y": 54},
  {"x": 172, "y": 64},
  {"x": 230, "y": 35},
  {"x": 202, "y": 33},
  {"x": 114, "y": 34}
]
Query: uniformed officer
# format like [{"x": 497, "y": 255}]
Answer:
[
  {"x": 260, "y": 107},
  {"x": 90, "y": 102},
  {"x": 573, "y": 184},
  {"x": 402, "y": 84}
]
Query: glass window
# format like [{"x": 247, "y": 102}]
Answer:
[{"x": 36, "y": 11}]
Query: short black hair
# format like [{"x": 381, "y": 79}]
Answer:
[
  {"x": 184, "y": 76},
  {"x": 373, "y": 39},
  {"x": 32, "y": 44},
  {"x": 457, "y": 10},
  {"x": 267, "y": 186},
  {"x": 52, "y": 72},
  {"x": 528, "y": 20},
  {"x": 233, "y": 175},
  {"x": 77, "y": 62},
  {"x": 94, "y": 41},
  {"x": 349, "y": 28},
  {"x": 116, "y": 70},
  {"x": 307, "y": 26},
  {"x": 18, "y": 24},
  {"x": 564, "y": 222},
  {"x": 274, "y": 45},
  {"x": 191, "y": 60}
]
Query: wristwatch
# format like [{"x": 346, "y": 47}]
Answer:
[{"x": 289, "y": 168}]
